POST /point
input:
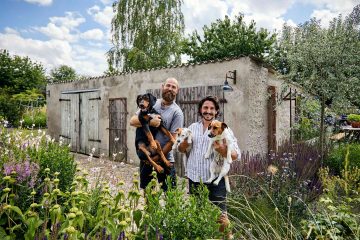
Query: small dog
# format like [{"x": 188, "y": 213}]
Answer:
[
  {"x": 220, "y": 166},
  {"x": 182, "y": 134},
  {"x": 144, "y": 139}
]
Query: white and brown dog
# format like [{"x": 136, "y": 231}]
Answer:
[
  {"x": 220, "y": 166},
  {"x": 183, "y": 134}
]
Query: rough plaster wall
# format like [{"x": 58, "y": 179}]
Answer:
[
  {"x": 257, "y": 116},
  {"x": 245, "y": 112}
]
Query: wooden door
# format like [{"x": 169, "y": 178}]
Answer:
[
  {"x": 117, "y": 129},
  {"x": 89, "y": 141},
  {"x": 69, "y": 104}
]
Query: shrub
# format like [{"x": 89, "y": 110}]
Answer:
[
  {"x": 34, "y": 118},
  {"x": 353, "y": 117},
  {"x": 335, "y": 159},
  {"x": 29, "y": 155},
  {"x": 180, "y": 217},
  {"x": 268, "y": 183}
]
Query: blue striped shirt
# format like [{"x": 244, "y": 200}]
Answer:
[{"x": 198, "y": 168}]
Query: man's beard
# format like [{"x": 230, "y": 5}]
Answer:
[{"x": 168, "y": 95}]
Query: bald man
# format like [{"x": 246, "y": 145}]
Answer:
[{"x": 173, "y": 118}]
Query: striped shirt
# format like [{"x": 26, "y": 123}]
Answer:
[{"x": 198, "y": 168}]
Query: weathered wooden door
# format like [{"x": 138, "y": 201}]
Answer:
[
  {"x": 188, "y": 100},
  {"x": 117, "y": 129},
  {"x": 89, "y": 141},
  {"x": 69, "y": 104}
]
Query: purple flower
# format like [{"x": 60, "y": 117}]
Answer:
[{"x": 25, "y": 171}]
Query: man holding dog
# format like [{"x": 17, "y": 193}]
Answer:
[
  {"x": 173, "y": 118},
  {"x": 198, "y": 168}
]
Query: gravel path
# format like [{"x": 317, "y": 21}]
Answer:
[{"x": 107, "y": 171}]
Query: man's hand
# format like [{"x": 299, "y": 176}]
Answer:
[
  {"x": 183, "y": 146},
  {"x": 155, "y": 121},
  {"x": 220, "y": 147}
]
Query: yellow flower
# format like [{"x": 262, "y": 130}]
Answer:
[{"x": 272, "y": 169}]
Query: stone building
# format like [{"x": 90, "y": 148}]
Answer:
[{"x": 93, "y": 114}]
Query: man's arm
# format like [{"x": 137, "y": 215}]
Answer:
[{"x": 154, "y": 122}]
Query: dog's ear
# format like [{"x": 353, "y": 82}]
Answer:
[
  {"x": 223, "y": 126},
  {"x": 152, "y": 99},
  {"x": 138, "y": 99},
  {"x": 178, "y": 131}
]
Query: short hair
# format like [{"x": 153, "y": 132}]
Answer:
[{"x": 213, "y": 99}]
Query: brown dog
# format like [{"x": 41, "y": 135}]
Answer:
[{"x": 144, "y": 139}]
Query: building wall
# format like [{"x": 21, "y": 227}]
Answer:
[{"x": 245, "y": 112}]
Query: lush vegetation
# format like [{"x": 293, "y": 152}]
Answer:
[
  {"x": 145, "y": 34},
  {"x": 226, "y": 38}
]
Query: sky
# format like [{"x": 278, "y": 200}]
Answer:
[{"x": 77, "y": 33}]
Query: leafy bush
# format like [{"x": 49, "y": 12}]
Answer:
[
  {"x": 335, "y": 159},
  {"x": 179, "y": 217},
  {"x": 353, "y": 117},
  {"x": 29, "y": 155},
  {"x": 34, "y": 118}
]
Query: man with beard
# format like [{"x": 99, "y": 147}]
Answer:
[
  {"x": 173, "y": 118},
  {"x": 198, "y": 168}
]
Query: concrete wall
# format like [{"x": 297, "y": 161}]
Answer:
[{"x": 245, "y": 112}]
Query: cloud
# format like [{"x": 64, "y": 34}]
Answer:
[
  {"x": 101, "y": 16},
  {"x": 200, "y": 13},
  {"x": 11, "y": 31},
  {"x": 93, "y": 34},
  {"x": 52, "y": 53},
  {"x": 326, "y": 16},
  {"x": 63, "y": 28},
  {"x": 40, "y": 2}
]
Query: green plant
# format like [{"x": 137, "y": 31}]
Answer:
[
  {"x": 179, "y": 217},
  {"x": 35, "y": 118},
  {"x": 353, "y": 117},
  {"x": 335, "y": 159}
]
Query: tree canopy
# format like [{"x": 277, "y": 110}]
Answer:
[
  {"x": 226, "y": 38},
  {"x": 63, "y": 73},
  {"x": 145, "y": 34},
  {"x": 18, "y": 74}
]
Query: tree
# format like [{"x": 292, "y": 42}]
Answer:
[
  {"x": 18, "y": 74},
  {"x": 324, "y": 61},
  {"x": 63, "y": 73},
  {"x": 145, "y": 34},
  {"x": 226, "y": 39}
]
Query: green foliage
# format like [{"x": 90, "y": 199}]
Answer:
[
  {"x": 18, "y": 74},
  {"x": 338, "y": 212},
  {"x": 29, "y": 155},
  {"x": 10, "y": 108},
  {"x": 62, "y": 73},
  {"x": 180, "y": 217},
  {"x": 332, "y": 222},
  {"x": 353, "y": 117},
  {"x": 336, "y": 158},
  {"x": 145, "y": 34},
  {"x": 35, "y": 118},
  {"x": 309, "y": 119},
  {"x": 227, "y": 39}
]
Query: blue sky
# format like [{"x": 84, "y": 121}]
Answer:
[{"x": 77, "y": 32}]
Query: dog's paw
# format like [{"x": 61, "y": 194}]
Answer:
[{"x": 216, "y": 182}]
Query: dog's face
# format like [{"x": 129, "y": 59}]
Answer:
[
  {"x": 216, "y": 128},
  {"x": 145, "y": 101},
  {"x": 182, "y": 134}
]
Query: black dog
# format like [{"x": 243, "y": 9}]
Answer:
[{"x": 144, "y": 140}]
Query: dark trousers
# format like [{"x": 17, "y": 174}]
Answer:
[
  {"x": 146, "y": 175},
  {"x": 217, "y": 194}
]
